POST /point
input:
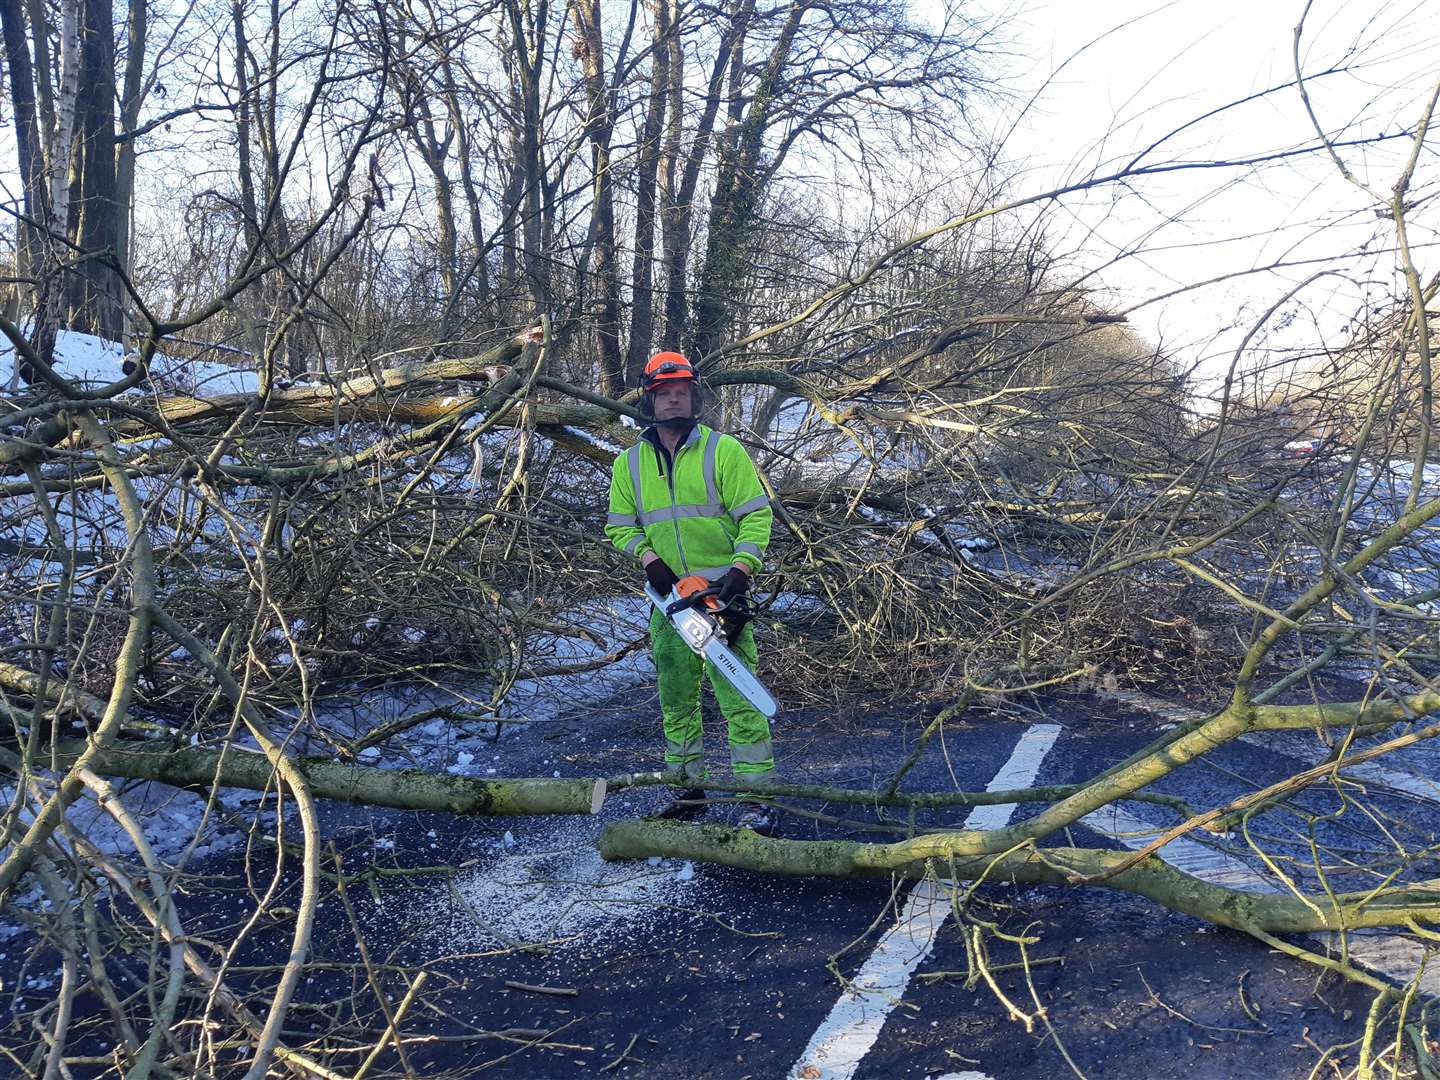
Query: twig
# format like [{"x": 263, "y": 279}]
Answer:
[
  {"x": 624, "y": 1054},
  {"x": 392, "y": 1031},
  {"x": 557, "y": 991},
  {"x": 1155, "y": 1000},
  {"x": 935, "y": 976}
]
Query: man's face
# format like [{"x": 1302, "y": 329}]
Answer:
[{"x": 672, "y": 400}]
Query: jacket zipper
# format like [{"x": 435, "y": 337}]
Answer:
[{"x": 675, "y": 521}]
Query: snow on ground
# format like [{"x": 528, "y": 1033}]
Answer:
[
  {"x": 616, "y": 621},
  {"x": 92, "y": 523},
  {"x": 545, "y": 880},
  {"x": 94, "y": 362},
  {"x": 171, "y": 819}
]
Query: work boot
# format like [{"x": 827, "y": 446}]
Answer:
[
  {"x": 759, "y": 819},
  {"x": 683, "y": 805}
]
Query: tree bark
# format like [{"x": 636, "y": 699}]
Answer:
[
  {"x": 738, "y": 189},
  {"x": 434, "y": 150},
  {"x": 28, "y": 139},
  {"x": 529, "y": 24},
  {"x": 1152, "y": 878},
  {"x": 599, "y": 128},
  {"x": 58, "y": 151},
  {"x": 249, "y": 205},
  {"x": 480, "y": 243},
  {"x": 673, "y": 230},
  {"x": 404, "y": 789},
  {"x": 40, "y": 28},
  {"x": 92, "y": 292},
  {"x": 132, "y": 96},
  {"x": 642, "y": 276},
  {"x": 682, "y": 179}
]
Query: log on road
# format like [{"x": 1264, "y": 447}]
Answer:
[
  {"x": 1152, "y": 878},
  {"x": 405, "y": 789}
]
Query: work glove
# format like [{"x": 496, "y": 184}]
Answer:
[
  {"x": 733, "y": 584},
  {"x": 661, "y": 578}
]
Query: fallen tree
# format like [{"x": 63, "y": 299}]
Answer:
[
  {"x": 1151, "y": 877},
  {"x": 202, "y": 769},
  {"x": 1012, "y": 852},
  {"x": 973, "y": 468}
]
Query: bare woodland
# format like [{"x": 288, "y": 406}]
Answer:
[{"x": 445, "y": 239}]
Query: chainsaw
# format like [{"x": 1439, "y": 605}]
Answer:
[{"x": 695, "y": 611}]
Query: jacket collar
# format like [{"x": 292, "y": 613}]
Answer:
[{"x": 652, "y": 435}]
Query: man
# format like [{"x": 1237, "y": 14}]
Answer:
[{"x": 687, "y": 500}]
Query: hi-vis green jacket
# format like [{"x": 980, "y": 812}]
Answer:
[{"x": 701, "y": 515}]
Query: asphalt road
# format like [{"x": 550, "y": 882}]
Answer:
[
  {"x": 683, "y": 971},
  {"x": 699, "y": 971}
]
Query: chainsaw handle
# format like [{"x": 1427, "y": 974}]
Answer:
[{"x": 695, "y": 599}]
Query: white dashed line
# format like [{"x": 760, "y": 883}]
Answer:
[
  {"x": 1422, "y": 787},
  {"x": 850, "y": 1030},
  {"x": 1384, "y": 953}
]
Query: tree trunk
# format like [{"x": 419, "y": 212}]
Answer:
[
  {"x": 40, "y": 28},
  {"x": 510, "y": 203},
  {"x": 35, "y": 198},
  {"x": 92, "y": 293},
  {"x": 250, "y": 302},
  {"x": 283, "y": 294},
  {"x": 682, "y": 181},
  {"x": 1151, "y": 878},
  {"x": 599, "y": 127},
  {"x": 529, "y": 23},
  {"x": 480, "y": 243},
  {"x": 738, "y": 189},
  {"x": 434, "y": 150},
  {"x": 58, "y": 152},
  {"x": 132, "y": 96},
  {"x": 642, "y": 277},
  {"x": 404, "y": 789}
]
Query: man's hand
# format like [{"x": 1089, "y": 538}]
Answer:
[
  {"x": 735, "y": 583},
  {"x": 661, "y": 578}
]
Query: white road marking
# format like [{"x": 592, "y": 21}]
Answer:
[
  {"x": 850, "y": 1030},
  {"x": 1421, "y": 787},
  {"x": 1384, "y": 953}
]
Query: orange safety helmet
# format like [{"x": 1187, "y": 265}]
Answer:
[{"x": 664, "y": 366}]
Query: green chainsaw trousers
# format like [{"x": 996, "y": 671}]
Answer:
[{"x": 678, "y": 671}]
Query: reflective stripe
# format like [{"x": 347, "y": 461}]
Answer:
[
  {"x": 749, "y": 506},
  {"x": 745, "y": 547},
  {"x": 756, "y": 753},
  {"x": 670, "y": 513},
  {"x": 712, "y": 448},
  {"x": 682, "y": 753},
  {"x": 756, "y": 778},
  {"x": 633, "y": 543},
  {"x": 712, "y": 573},
  {"x": 633, "y": 455},
  {"x": 624, "y": 520}
]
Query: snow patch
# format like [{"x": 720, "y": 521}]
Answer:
[{"x": 93, "y": 362}]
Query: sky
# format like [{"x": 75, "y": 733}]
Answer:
[{"x": 1093, "y": 84}]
